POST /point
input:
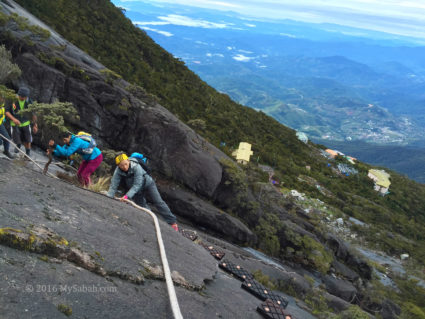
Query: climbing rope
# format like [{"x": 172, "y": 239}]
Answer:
[
  {"x": 167, "y": 274},
  {"x": 35, "y": 163}
]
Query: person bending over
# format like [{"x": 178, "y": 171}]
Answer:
[
  {"x": 139, "y": 184},
  {"x": 92, "y": 156}
]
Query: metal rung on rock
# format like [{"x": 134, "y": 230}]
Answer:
[
  {"x": 278, "y": 300},
  {"x": 190, "y": 234},
  {"x": 216, "y": 253},
  {"x": 271, "y": 310},
  {"x": 257, "y": 289},
  {"x": 263, "y": 293},
  {"x": 235, "y": 270}
]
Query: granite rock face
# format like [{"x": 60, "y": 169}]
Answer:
[
  {"x": 121, "y": 116},
  {"x": 204, "y": 214},
  {"x": 65, "y": 248}
]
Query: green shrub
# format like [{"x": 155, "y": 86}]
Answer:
[
  {"x": 65, "y": 309},
  {"x": 353, "y": 312},
  {"x": 317, "y": 302},
  {"x": 53, "y": 118},
  {"x": 411, "y": 311},
  {"x": 264, "y": 279},
  {"x": 307, "y": 251},
  {"x": 110, "y": 76},
  {"x": 7, "y": 94},
  {"x": 23, "y": 24},
  {"x": 8, "y": 70}
]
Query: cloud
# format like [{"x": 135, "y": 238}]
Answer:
[
  {"x": 245, "y": 51},
  {"x": 214, "y": 54},
  {"x": 167, "y": 34},
  {"x": 222, "y": 4},
  {"x": 184, "y": 21},
  {"x": 250, "y": 25},
  {"x": 242, "y": 58},
  {"x": 402, "y": 17},
  {"x": 287, "y": 35}
]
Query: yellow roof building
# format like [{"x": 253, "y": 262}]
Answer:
[
  {"x": 381, "y": 177},
  {"x": 243, "y": 153}
]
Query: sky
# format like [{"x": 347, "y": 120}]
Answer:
[{"x": 401, "y": 17}]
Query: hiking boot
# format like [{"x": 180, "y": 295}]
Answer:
[
  {"x": 7, "y": 153},
  {"x": 175, "y": 227}
]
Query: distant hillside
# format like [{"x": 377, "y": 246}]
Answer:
[
  {"x": 403, "y": 159},
  {"x": 316, "y": 78}
]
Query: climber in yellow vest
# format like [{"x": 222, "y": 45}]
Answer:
[
  {"x": 21, "y": 125},
  {"x": 3, "y": 131}
]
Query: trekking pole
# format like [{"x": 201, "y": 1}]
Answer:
[
  {"x": 46, "y": 167},
  {"x": 35, "y": 163},
  {"x": 167, "y": 274}
]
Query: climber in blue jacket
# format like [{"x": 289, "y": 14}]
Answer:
[{"x": 92, "y": 156}]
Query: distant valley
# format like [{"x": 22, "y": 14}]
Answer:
[{"x": 342, "y": 86}]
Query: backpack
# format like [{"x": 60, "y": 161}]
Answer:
[
  {"x": 143, "y": 161},
  {"x": 88, "y": 138}
]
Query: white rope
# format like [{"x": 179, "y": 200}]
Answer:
[
  {"x": 167, "y": 274},
  {"x": 16, "y": 146}
]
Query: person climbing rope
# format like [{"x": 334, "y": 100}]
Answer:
[
  {"x": 139, "y": 183},
  {"x": 21, "y": 125},
  {"x": 92, "y": 156},
  {"x": 3, "y": 130}
]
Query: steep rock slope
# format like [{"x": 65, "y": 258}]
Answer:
[
  {"x": 63, "y": 247},
  {"x": 120, "y": 115}
]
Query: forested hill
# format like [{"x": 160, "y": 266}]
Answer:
[{"x": 102, "y": 30}]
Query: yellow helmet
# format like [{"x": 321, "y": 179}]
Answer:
[{"x": 120, "y": 158}]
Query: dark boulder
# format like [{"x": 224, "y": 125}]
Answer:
[
  {"x": 360, "y": 266},
  {"x": 339, "y": 248},
  {"x": 336, "y": 303},
  {"x": 352, "y": 260},
  {"x": 340, "y": 288},
  {"x": 390, "y": 310},
  {"x": 291, "y": 281},
  {"x": 344, "y": 271},
  {"x": 290, "y": 233},
  {"x": 200, "y": 212}
]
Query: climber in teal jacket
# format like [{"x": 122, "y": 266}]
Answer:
[
  {"x": 91, "y": 157},
  {"x": 138, "y": 184}
]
